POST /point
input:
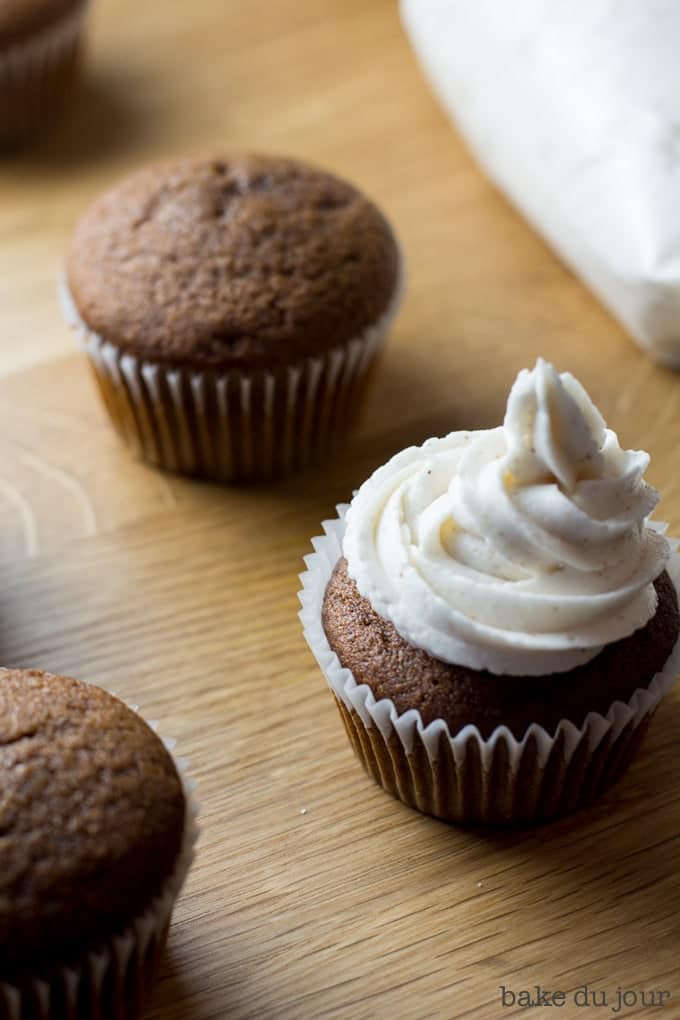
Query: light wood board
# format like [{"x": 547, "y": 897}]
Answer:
[{"x": 314, "y": 894}]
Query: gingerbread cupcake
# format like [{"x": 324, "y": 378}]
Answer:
[
  {"x": 496, "y": 615},
  {"x": 97, "y": 837},
  {"x": 231, "y": 309},
  {"x": 40, "y": 42}
]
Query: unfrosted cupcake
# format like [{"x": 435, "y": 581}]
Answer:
[
  {"x": 496, "y": 615},
  {"x": 231, "y": 309},
  {"x": 39, "y": 47},
  {"x": 97, "y": 837}
]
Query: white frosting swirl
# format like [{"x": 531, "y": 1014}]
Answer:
[{"x": 522, "y": 549}]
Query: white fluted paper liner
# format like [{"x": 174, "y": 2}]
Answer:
[
  {"x": 28, "y": 69},
  {"x": 408, "y": 726},
  {"x": 113, "y": 981},
  {"x": 235, "y": 425}
]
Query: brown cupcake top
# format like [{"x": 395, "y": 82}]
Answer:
[
  {"x": 377, "y": 655},
  {"x": 249, "y": 261},
  {"x": 91, "y": 818},
  {"x": 20, "y": 20}
]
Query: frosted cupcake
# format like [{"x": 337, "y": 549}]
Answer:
[
  {"x": 231, "y": 309},
  {"x": 496, "y": 615}
]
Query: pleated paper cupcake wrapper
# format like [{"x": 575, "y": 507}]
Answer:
[
  {"x": 234, "y": 425},
  {"x": 36, "y": 74},
  {"x": 112, "y": 982},
  {"x": 462, "y": 776}
]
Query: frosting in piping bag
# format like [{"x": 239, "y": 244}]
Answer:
[{"x": 522, "y": 549}]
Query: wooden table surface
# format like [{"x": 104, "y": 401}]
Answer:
[{"x": 313, "y": 893}]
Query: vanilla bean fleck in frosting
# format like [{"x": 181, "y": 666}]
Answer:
[{"x": 522, "y": 549}]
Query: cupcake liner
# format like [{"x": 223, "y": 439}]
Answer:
[
  {"x": 234, "y": 425},
  {"x": 112, "y": 981},
  {"x": 462, "y": 776},
  {"x": 35, "y": 75}
]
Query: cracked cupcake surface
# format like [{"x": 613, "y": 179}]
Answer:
[{"x": 248, "y": 261}]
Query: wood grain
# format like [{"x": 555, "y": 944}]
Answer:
[{"x": 314, "y": 894}]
